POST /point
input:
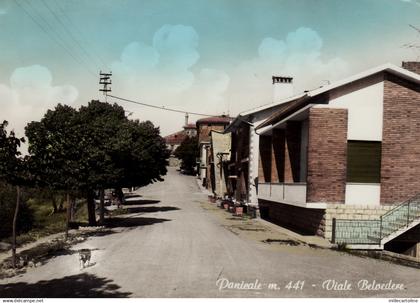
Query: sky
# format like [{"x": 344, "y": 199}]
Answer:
[{"x": 212, "y": 57}]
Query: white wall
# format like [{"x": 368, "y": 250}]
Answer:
[
  {"x": 254, "y": 150},
  {"x": 203, "y": 160},
  {"x": 365, "y": 112},
  {"x": 280, "y": 192},
  {"x": 282, "y": 91},
  {"x": 363, "y": 194}
]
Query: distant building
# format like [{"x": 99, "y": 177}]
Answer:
[
  {"x": 204, "y": 128},
  {"x": 190, "y": 130},
  {"x": 174, "y": 140}
]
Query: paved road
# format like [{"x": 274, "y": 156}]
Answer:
[{"x": 170, "y": 246}]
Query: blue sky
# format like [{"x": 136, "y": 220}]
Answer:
[{"x": 208, "y": 56}]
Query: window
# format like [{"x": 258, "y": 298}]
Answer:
[{"x": 364, "y": 161}]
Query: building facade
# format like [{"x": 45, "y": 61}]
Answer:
[
  {"x": 205, "y": 163},
  {"x": 243, "y": 167},
  {"x": 348, "y": 152}
]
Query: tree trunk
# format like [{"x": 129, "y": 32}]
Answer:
[
  {"x": 14, "y": 226},
  {"x": 91, "y": 208},
  {"x": 120, "y": 195},
  {"x": 61, "y": 206},
  {"x": 68, "y": 214},
  {"x": 102, "y": 207},
  {"x": 54, "y": 204},
  {"x": 72, "y": 210}
]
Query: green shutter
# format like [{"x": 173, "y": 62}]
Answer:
[{"x": 364, "y": 161}]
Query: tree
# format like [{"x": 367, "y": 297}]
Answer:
[
  {"x": 188, "y": 152},
  {"x": 101, "y": 123},
  {"x": 13, "y": 170},
  {"x": 53, "y": 145},
  {"x": 95, "y": 148}
]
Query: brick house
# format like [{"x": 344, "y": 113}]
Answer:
[
  {"x": 204, "y": 128},
  {"x": 348, "y": 151}
]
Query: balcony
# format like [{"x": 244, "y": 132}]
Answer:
[{"x": 287, "y": 193}]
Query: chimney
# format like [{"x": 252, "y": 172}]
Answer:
[
  {"x": 412, "y": 66},
  {"x": 186, "y": 119},
  {"x": 282, "y": 88}
]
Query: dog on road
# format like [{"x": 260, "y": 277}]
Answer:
[{"x": 84, "y": 258}]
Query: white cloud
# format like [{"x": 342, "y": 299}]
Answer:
[
  {"x": 161, "y": 73},
  {"x": 29, "y": 94},
  {"x": 164, "y": 72},
  {"x": 298, "y": 55},
  {"x": 416, "y": 2},
  {"x": 167, "y": 60}
]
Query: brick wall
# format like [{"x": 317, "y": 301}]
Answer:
[
  {"x": 205, "y": 129},
  {"x": 327, "y": 155},
  {"x": 277, "y": 160},
  {"x": 264, "y": 166},
  {"x": 292, "y": 152},
  {"x": 413, "y": 66},
  {"x": 400, "y": 173},
  {"x": 301, "y": 220}
]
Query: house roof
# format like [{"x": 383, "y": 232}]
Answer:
[
  {"x": 304, "y": 99},
  {"x": 175, "y": 138},
  {"x": 190, "y": 126},
  {"x": 244, "y": 116},
  {"x": 215, "y": 120}
]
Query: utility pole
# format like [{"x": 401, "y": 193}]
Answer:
[{"x": 105, "y": 80}]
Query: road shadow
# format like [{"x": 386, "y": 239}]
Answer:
[
  {"x": 77, "y": 286},
  {"x": 132, "y": 222},
  {"x": 150, "y": 209},
  {"x": 140, "y": 202}
]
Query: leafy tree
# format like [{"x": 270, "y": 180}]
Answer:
[
  {"x": 55, "y": 157},
  {"x": 188, "y": 152},
  {"x": 95, "y": 148},
  {"x": 14, "y": 170}
]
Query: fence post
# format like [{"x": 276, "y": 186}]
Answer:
[
  {"x": 380, "y": 231},
  {"x": 333, "y": 230},
  {"x": 408, "y": 213}
]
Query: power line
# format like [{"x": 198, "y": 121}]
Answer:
[
  {"x": 162, "y": 107},
  {"x": 70, "y": 34},
  {"x": 53, "y": 38},
  {"x": 54, "y": 29},
  {"x": 79, "y": 32}
]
